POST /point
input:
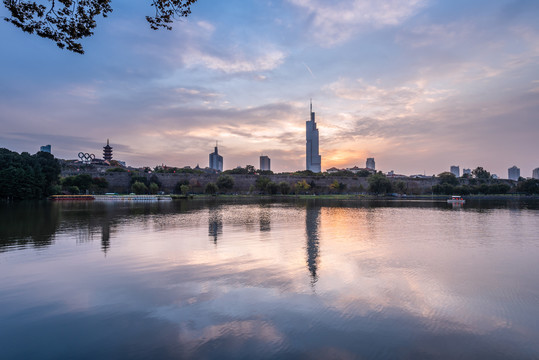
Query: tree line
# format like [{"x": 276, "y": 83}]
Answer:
[
  {"x": 27, "y": 177},
  {"x": 482, "y": 183},
  {"x": 33, "y": 177}
]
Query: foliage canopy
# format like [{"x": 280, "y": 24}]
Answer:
[
  {"x": 448, "y": 178},
  {"x": 24, "y": 176},
  {"x": 211, "y": 188},
  {"x": 379, "y": 184},
  {"x": 528, "y": 187},
  {"x": 139, "y": 188},
  {"x": 225, "y": 182},
  {"x": 68, "y": 21},
  {"x": 481, "y": 173}
]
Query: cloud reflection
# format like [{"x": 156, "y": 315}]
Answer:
[{"x": 387, "y": 283}]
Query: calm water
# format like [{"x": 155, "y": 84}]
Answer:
[{"x": 240, "y": 279}]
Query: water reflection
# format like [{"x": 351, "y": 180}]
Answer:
[
  {"x": 396, "y": 280},
  {"x": 28, "y": 223},
  {"x": 264, "y": 218},
  {"x": 312, "y": 222},
  {"x": 93, "y": 221},
  {"x": 215, "y": 224},
  {"x": 457, "y": 206},
  {"x": 105, "y": 236}
]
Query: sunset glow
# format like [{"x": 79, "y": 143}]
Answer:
[{"x": 419, "y": 85}]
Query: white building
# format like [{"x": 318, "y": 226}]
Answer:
[
  {"x": 265, "y": 163},
  {"x": 370, "y": 164},
  {"x": 455, "y": 170},
  {"x": 216, "y": 160},
  {"x": 313, "y": 158},
  {"x": 513, "y": 173},
  {"x": 333, "y": 170}
]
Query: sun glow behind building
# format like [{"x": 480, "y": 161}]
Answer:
[{"x": 392, "y": 84}]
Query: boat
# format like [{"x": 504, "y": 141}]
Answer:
[{"x": 456, "y": 199}]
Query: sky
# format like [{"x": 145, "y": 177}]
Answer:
[{"x": 419, "y": 85}]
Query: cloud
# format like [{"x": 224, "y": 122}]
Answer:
[
  {"x": 487, "y": 132},
  {"x": 438, "y": 35},
  {"x": 235, "y": 63},
  {"x": 389, "y": 101},
  {"x": 336, "y": 21},
  {"x": 201, "y": 46},
  {"x": 87, "y": 92},
  {"x": 67, "y": 146},
  {"x": 468, "y": 51},
  {"x": 422, "y": 78}
]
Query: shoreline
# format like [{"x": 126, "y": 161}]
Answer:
[{"x": 357, "y": 197}]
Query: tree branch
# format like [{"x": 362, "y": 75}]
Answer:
[{"x": 66, "y": 22}]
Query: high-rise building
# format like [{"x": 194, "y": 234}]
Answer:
[
  {"x": 45, "y": 148},
  {"x": 513, "y": 173},
  {"x": 216, "y": 160},
  {"x": 535, "y": 173},
  {"x": 313, "y": 158},
  {"x": 265, "y": 162},
  {"x": 370, "y": 164},
  {"x": 466, "y": 172},
  {"x": 107, "y": 152},
  {"x": 455, "y": 170}
]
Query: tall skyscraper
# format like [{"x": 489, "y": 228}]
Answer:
[
  {"x": 455, "y": 170},
  {"x": 45, "y": 148},
  {"x": 313, "y": 158},
  {"x": 370, "y": 164},
  {"x": 107, "y": 152},
  {"x": 265, "y": 162},
  {"x": 513, "y": 173},
  {"x": 535, "y": 173},
  {"x": 216, "y": 160}
]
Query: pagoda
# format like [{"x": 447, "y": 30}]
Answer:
[{"x": 107, "y": 152}]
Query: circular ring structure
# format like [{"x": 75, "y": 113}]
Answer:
[{"x": 85, "y": 157}]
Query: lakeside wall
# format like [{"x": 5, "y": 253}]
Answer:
[{"x": 120, "y": 182}]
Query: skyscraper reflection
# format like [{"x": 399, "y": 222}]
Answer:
[
  {"x": 215, "y": 224},
  {"x": 105, "y": 236},
  {"x": 312, "y": 221},
  {"x": 265, "y": 219}
]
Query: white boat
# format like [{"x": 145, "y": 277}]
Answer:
[{"x": 456, "y": 199}]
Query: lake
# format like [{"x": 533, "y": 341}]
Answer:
[{"x": 244, "y": 279}]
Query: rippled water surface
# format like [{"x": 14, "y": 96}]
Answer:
[{"x": 250, "y": 279}]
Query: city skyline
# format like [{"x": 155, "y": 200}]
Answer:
[{"x": 420, "y": 87}]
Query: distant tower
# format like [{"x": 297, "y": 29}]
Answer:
[
  {"x": 265, "y": 163},
  {"x": 455, "y": 170},
  {"x": 216, "y": 160},
  {"x": 513, "y": 173},
  {"x": 313, "y": 158},
  {"x": 107, "y": 152},
  {"x": 370, "y": 164},
  {"x": 45, "y": 148},
  {"x": 535, "y": 173}
]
